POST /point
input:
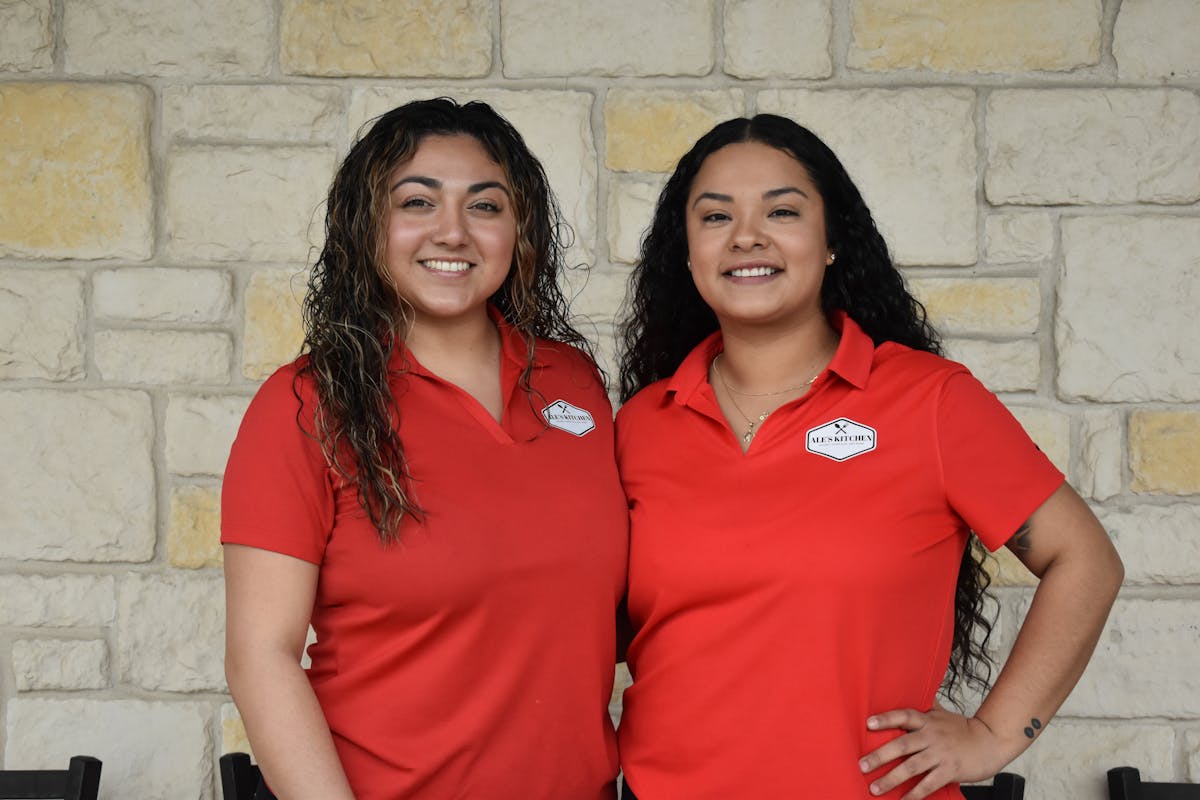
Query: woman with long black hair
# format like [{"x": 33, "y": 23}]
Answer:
[{"x": 808, "y": 481}]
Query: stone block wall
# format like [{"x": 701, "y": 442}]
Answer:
[{"x": 1034, "y": 165}]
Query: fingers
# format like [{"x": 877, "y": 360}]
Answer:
[
  {"x": 897, "y": 748},
  {"x": 936, "y": 776},
  {"x": 908, "y": 719}
]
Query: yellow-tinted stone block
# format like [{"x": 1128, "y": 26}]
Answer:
[
  {"x": 1007, "y": 570},
  {"x": 75, "y": 170},
  {"x": 981, "y": 305},
  {"x": 233, "y": 732},
  {"x": 979, "y": 36},
  {"x": 274, "y": 330},
  {"x": 387, "y": 37},
  {"x": 1164, "y": 452},
  {"x": 650, "y": 130},
  {"x": 194, "y": 536}
]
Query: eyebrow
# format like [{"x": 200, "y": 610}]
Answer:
[
  {"x": 434, "y": 183},
  {"x": 770, "y": 194}
]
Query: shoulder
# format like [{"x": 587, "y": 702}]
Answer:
[
  {"x": 648, "y": 401},
  {"x": 894, "y": 359},
  {"x": 283, "y": 395},
  {"x": 562, "y": 360}
]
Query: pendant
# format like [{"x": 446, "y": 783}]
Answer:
[{"x": 749, "y": 434}]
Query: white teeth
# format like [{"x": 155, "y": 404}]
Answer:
[
  {"x": 439, "y": 265},
  {"x": 752, "y": 272}
]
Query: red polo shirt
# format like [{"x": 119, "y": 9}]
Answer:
[
  {"x": 783, "y": 595},
  {"x": 474, "y": 658}
]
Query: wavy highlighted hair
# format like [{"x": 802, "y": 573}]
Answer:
[{"x": 354, "y": 319}]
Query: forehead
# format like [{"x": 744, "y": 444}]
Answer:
[
  {"x": 450, "y": 155},
  {"x": 752, "y": 166}
]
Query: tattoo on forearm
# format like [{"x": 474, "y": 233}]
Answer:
[
  {"x": 1035, "y": 725},
  {"x": 1021, "y": 541}
]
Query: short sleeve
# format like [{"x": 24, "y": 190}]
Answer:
[
  {"x": 995, "y": 476},
  {"x": 278, "y": 493}
]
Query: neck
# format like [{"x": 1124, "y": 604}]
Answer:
[
  {"x": 462, "y": 340},
  {"x": 758, "y": 360}
]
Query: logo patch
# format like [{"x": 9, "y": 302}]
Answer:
[
  {"x": 841, "y": 439},
  {"x": 566, "y": 417}
]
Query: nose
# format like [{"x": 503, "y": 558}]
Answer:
[
  {"x": 747, "y": 235},
  {"x": 450, "y": 228}
]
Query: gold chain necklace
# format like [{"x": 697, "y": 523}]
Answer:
[{"x": 752, "y": 425}]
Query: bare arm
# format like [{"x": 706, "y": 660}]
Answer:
[
  {"x": 269, "y": 599},
  {"x": 1065, "y": 546}
]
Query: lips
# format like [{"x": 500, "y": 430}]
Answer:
[{"x": 445, "y": 265}]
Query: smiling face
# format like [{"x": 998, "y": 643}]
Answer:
[
  {"x": 756, "y": 236},
  {"x": 451, "y": 229}
]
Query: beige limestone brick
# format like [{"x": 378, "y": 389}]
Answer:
[
  {"x": 1191, "y": 749},
  {"x": 83, "y": 488},
  {"x": 416, "y": 38},
  {"x": 649, "y": 129},
  {"x": 766, "y": 39},
  {"x": 620, "y": 37},
  {"x": 1129, "y": 286},
  {"x": 929, "y": 153},
  {"x": 557, "y": 127},
  {"x": 26, "y": 36},
  {"x": 58, "y": 601},
  {"x": 163, "y": 357},
  {"x": 194, "y": 531},
  {"x": 1101, "y": 454},
  {"x": 1003, "y": 306},
  {"x": 1144, "y": 664},
  {"x": 630, "y": 209},
  {"x": 151, "y": 750},
  {"x": 199, "y": 432},
  {"x": 1156, "y": 40},
  {"x": 70, "y": 664},
  {"x": 1070, "y": 757},
  {"x": 156, "y": 37},
  {"x": 1050, "y": 431},
  {"x": 281, "y": 113},
  {"x": 246, "y": 203},
  {"x": 155, "y": 651},
  {"x": 621, "y": 681},
  {"x": 162, "y": 295},
  {"x": 1164, "y": 452},
  {"x": 1001, "y": 366},
  {"x": 982, "y": 36},
  {"x": 41, "y": 325},
  {"x": 233, "y": 732},
  {"x": 274, "y": 330},
  {"x": 1158, "y": 544},
  {"x": 1007, "y": 570},
  {"x": 75, "y": 167},
  {"x": 1093, "y": 146},
  {"x": 1018, "y": 238},
  {"x": 596, "y": 293}
]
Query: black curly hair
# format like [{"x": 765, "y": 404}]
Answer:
[
  {"x": 353, "y": 318},
  {"x": 664, "y": 318}
]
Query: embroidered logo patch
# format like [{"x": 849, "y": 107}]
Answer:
[
  {"x": 566, "y": 417},
  {"x": 841, "y": 439}
]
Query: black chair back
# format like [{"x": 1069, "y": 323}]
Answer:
[
  {"x": 239, "y": 777},
  {"x": 1005, "y": 786},
  {"x": 79, "y": 781},
  {"x": 1125, "y": 783}
]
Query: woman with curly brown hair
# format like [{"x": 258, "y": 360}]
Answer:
[
  {"x": 432, "y": 486},
  {"x": 806, "y": 480}
]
